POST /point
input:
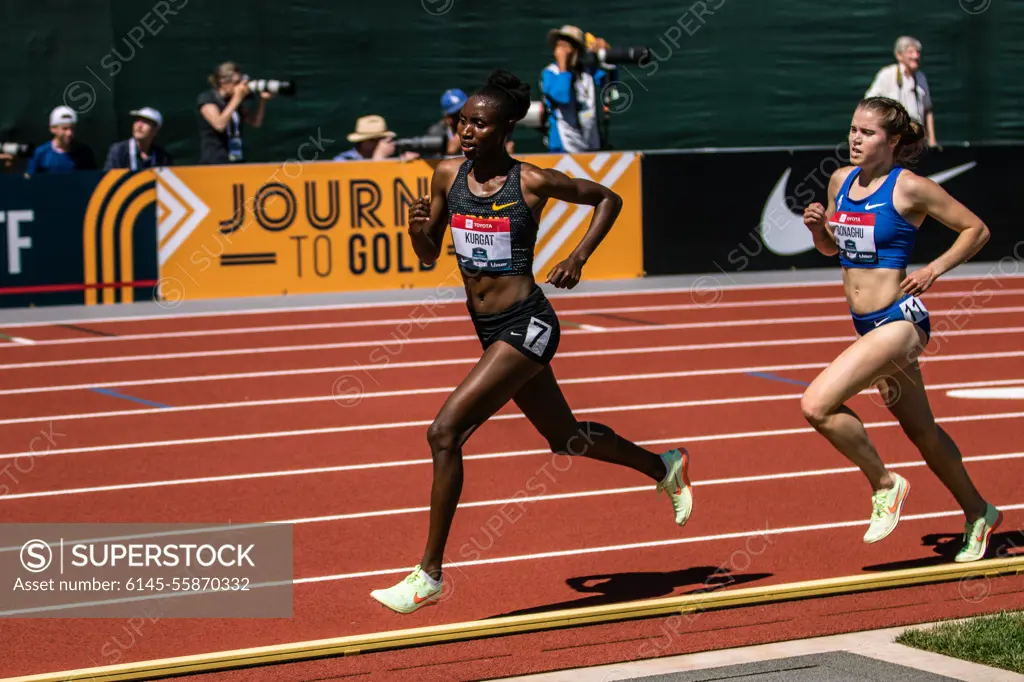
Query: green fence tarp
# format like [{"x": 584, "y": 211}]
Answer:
[{"x": 729, "y": 72}]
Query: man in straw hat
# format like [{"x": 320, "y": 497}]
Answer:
[
  {"x": 572, "y": 91},
  {"x": 373, "y": 141}
]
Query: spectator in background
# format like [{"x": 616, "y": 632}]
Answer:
[
  {"x": 906, "y": 83},
  {"x": 222, "y": 117},
  {"x": 140, "y": 150},
  {"x": 373, "y": 141},
  {"x": 572, "y": 92},
  {"x": 451, "y": 104},
  {"x": 62, "y": 154}
]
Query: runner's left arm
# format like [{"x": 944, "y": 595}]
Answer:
[
  {"x": 927, "y": 196},
  {"x": 547, "y": 183}
]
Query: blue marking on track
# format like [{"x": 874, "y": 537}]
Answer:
[
  {"x": 115, "y": 394},
  {"x": 773, "y": 377}
]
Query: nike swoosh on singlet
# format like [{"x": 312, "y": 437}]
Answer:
[
  {"x": 496, "y": 207},
  {"x": 784, "y": 232},
  {"x": 868, "y": 207}
]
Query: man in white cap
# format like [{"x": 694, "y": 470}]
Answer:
[
  {"x": 62, "y": 154},
  {"x": 140, "y": 150},
  {"x": 373, "y": 141}
]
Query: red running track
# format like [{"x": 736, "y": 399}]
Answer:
[{"x": 321, "y": 423}]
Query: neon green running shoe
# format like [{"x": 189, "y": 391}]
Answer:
[
  {"x": 410, "y": 594},
  {"x": 676, "y": 483},
  {"x": 977, "y": 534},
  {"x": 886, "y": 505}
]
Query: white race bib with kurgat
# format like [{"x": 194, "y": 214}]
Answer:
[
  {"x": 482, "y": 243},
  {"x": 855, "y": 236}
]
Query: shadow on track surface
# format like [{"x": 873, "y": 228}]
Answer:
[
  {"x": 622, "y": 587},
  {"x": 946, "y": 545}
]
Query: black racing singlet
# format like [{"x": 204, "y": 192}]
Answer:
[{"x": 496, "y": 235}]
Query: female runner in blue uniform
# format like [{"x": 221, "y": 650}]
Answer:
[
  {"x": 492, "y": 203},
  {"x": 874, "y": 210}
]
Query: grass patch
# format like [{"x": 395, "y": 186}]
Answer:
[{"x": 997, "y": 640}]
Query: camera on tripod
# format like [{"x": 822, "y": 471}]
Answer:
[
  {"x": 16, "y": 149},
  {"x": 271, "y": 85}
]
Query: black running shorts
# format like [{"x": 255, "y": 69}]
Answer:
[{"x": 530, "y": 325}]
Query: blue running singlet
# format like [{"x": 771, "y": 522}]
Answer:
[{"x": 870, "y": 232}]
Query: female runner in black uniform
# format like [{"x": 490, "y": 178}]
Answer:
[{"x": 492, "y": 203}]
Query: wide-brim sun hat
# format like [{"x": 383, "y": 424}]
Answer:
[
  {"x": 569, "y": 32},
  {"x": 370, "y": 128}
]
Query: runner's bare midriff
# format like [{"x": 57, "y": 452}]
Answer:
[
  {"x": 489, "y": 294},
  {"x": 871, "y": 289}
]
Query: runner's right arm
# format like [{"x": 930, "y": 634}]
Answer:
[
  {"x": 816, "y": 216},
  {"x": 428, "y": 216}
]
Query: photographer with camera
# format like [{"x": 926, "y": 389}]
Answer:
[
  {"x": 572, "y": 88},
  {"x": 451, "y": 104},
  {"x": 579, "y": 88},
  {"x": 375, "y": 142},
  {"x": 222, "y": 116}
]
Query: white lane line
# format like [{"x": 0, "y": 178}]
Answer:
[
  {"x": 343, "y": 429},
  {"x": 433, "y": 297},
  {"x": 423, "y": 320},
  {"x": 761, "y": 532},
  {"x": 416, "y": 462},
  {"x": 629, "y": 350},
  {"x": 401, "y": 342},
  {"x": 435, "y": 390}
]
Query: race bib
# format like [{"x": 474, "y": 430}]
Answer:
[
  {"x": 855, "y": 236},
  {"x": 482, "y": 243},
  {"x": 913, "y": 310}
]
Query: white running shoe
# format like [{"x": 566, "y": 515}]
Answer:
[
  {"x": 886, "y": 505},
  {"x": 412, "y": 593},
  {"x": 676, "y": 483},
  {"x": 977, "y": 535}
]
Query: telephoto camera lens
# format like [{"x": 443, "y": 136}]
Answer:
[
  {"x": 16, "y": 149},
  {"x": 274, "y": 87},
  {"x": 423, "y": 145},
  {"x": 622, "y": 55}
]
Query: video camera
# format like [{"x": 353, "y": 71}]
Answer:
[
  {"x": 424, "y": 145},
  {"x": 17, "y": 149},
  {"x": 274, "y": 87}
]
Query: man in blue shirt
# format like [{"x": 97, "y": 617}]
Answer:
[
  {"x": 62, "y": 154},
  {"x": 572, "y": 93}
]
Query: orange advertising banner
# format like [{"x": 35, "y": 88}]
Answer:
[{"x": 267, "y": 229}]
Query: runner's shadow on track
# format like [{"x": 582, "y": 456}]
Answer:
[
  {"x": 621, "y": 587},
  {"x": 946, "y": 545}
]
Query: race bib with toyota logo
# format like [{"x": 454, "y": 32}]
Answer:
[
  {"x": 482, "y": 243},
  {"x": 855, "y": 236}
]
